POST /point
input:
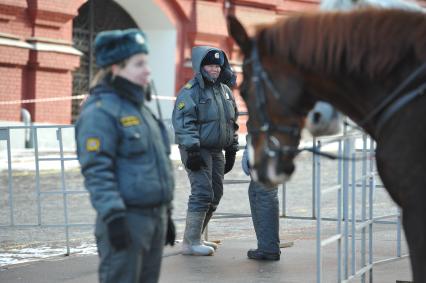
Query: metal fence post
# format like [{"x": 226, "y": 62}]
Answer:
[
  {"x": 353, "y": 188},
  {"x": 345, "y": 207},
  {"x": 37, "y": 173},
  {"x": 372, "y": 187},
  {"x": 5, "y": 136},
  {"x": 317, "y": 186},
  {"x": 63, "y": 188},
  {"x": 284, "y": 200},
  {"x": 314, "y": 166}
]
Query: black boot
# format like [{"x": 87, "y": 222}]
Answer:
[{"x": 259, "y": 255}]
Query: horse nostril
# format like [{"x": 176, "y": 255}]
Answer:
[
  {"x": 287, "y": 168},
  {"x": 317, "y": 117}
]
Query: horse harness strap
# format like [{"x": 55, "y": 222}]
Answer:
[
  {"x": 261, "y": 79},
  {"x": 273, "y": 146},
  {"x": 392, "y": 104},
  {"x": 398, "y": 104}
]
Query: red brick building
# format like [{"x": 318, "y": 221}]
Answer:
[
  {"x": 45, "y": 45},
  {"x": 46, "y": 50}
]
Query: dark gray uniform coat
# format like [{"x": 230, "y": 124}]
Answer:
[{"x": 205, "y": 118}]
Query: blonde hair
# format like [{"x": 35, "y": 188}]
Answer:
[{"x": 105, "y": 72}]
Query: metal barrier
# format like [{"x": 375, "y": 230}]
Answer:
[
  {"x": 348, "y": 183},
  {"x": 347, "y": 222},
  {"x": 5, "y": 135}
]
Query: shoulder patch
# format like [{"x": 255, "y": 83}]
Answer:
[
  {"x": 181, "y": 105},
  {"x": 93, "y": 144},
  {"x": 128, "y": 121},
  {"x": 188, "y": 85}
]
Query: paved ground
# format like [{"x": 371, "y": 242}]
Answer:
[{"x": 229, "y": 264}]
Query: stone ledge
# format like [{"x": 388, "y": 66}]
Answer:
[{"x": 39, "y": 44}]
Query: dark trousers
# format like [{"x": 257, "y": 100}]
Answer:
[
  {"x": 141, "y": 261},
  {"x": 207, "y": 183},
  {"x": 265, "y": 216}
]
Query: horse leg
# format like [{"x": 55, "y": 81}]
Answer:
[{"x": 414, "y": 221}]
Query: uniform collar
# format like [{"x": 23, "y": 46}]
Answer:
[{"x": 128, "y": 90}]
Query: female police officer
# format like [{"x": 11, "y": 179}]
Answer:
[
  {"x": 127, "y": 171},
  {"x": 204, "y": 119}
]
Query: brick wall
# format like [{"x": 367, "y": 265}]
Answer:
[
  {"x": 10, "y": 86},
  {"x": 206, "y": 25},
  {"x": 49, "y": 84},
  {"x": 28, "y": 71},
  {"x": 40, "y": 74}
]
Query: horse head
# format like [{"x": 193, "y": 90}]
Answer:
[
  {"x": 275, "y": 122},
  {"x": 324, "y": 120}
]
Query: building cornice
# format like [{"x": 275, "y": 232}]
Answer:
[{"x": 39, "y": 44}]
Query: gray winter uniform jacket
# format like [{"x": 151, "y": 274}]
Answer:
[
  {"x": 123, "y": 151},
  {"x": 205, "y": 115}
]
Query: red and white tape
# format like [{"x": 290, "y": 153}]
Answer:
[{"x": 74, "y": 97}]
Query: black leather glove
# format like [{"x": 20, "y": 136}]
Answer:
[
  {"x": 171, "y": 230},
  {"x": 118, "y": 233},
  {"x": 229, "y": 160},
  {"x": 194, "y": 161}
]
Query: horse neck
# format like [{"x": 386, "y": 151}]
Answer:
[{"x": 356, "y": 98}]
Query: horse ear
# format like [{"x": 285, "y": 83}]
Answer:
[{"x": 237, "y": 31}]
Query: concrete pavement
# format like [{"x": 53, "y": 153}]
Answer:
[{"x": 229, "y": 264}]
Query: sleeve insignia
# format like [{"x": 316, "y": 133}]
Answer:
[
  {"x": 93, "y": 144},
  {"x": 181, "y": 105},
  {"x": 129, "y": 121},
  {"x": 188, "y": 85}
]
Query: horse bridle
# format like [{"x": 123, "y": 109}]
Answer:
[
  {"x": 273, "y": 148},
  {"x": 260, "y": 79}
]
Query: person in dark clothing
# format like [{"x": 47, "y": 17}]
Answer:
[
  {"x": 124, "y": 155},
  {"x": 205, "y": 123},
  {"x": 265, "y": 215}
]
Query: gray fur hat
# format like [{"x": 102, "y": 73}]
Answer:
[{"x": 114, "y": 46}]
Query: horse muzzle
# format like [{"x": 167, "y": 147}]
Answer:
[{"x": 272, "y": 172}]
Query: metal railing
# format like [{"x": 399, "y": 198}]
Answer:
[
  {"x": 348, "y": 183},
  {"x": 347, "y": 222},
  {"x": 5, "y": 135}
]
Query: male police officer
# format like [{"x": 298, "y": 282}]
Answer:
[
  {"x": 123, "y": 151},
  {"x": 204, "y": 119},
  {"x": 264, "y": 208}
]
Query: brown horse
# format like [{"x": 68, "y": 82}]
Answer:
[{"x": 369, "y": 64}]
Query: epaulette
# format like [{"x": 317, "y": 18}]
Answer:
[
  {"x": 190, "y": 84},
  {"x": 108, "y": 102}
]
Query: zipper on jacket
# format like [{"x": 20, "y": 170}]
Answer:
[
  {"x": 222, "y": 117},
  {"x": 156, "y": 154}
]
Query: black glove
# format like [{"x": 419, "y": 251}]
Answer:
[
  {"x": 229, "y": 160},
  {"x": 194, "y": 161},
  {"x": 171, "y": 230},
  {"x": 118, "y": 233}
]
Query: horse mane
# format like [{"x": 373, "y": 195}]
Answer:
[
  {"x": 366, "y": 41},
  {"x": 354, "y": 4}
]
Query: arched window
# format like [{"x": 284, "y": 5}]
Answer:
[{"x": 93, "y": 17}]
